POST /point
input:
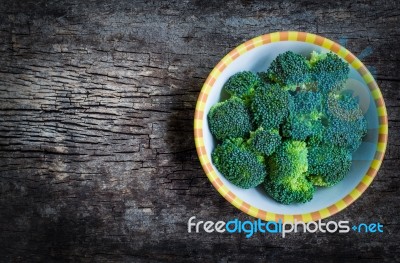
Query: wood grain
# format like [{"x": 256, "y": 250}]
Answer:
[{"x": 97, "y": 158}]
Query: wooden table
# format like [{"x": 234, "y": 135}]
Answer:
[{"x": 97, "y": 158}]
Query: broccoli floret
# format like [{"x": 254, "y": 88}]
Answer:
[
  {"x": 305, "y": 113},
  {"x": 289, "y": 158},
  {"x": 263, "y": 141},
  {"x": 242, "y": 84},
  {"x": 346, "y": 125},
  {"x": 230, "y": 119},
  {"x": 240, "y": 165},
  {"x": 290, "y": 70},
  {"x": 329, "y": 71},
  {"x": 287, "y": 169},
  {"x": 270, "y": 106},
  {"x": 291, "y": 189},
  {"x": 328, "y": 164}
]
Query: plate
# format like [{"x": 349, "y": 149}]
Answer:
[{"x": 256, "y": 55}]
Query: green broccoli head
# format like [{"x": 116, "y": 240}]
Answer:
[
  {"x": 269, "y": 106},
  {"x": 242, "y": 84},
  {"x": 289, "y": 158},
  {"x": 290, "y": 189},
  {"x": 328, "y": 164},
  {"x": 287, "y": 169},
  {"x": 290, "y": 70},
  {"x": 305, "y": 113},
  {"x": 264, "y": 141},
  {"x": 329, "y": 71},
  {"x": 346, "y": 124},
  {"x": 230, "y": 119},
  {"x": 240, "y": 165}
]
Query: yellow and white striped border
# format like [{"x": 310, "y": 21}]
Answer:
[{"x": 308, "y": 38}]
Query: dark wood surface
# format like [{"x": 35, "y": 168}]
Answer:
[{"x": 97, "y": 158}]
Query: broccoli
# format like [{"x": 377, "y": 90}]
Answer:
[
  {"x": 291, "y": 128},
  {"x": 289, "y": 158},
  {"x": 230, "y": 119},
  {"x": 290, "y": 189},
  {"x": 263, "y": 141},
  {"x": 270, "y": 106},
  {"x": 290, "y": 70},
  {"x": 240, "y": 165},
  {"x": 242, "y": 84},
  {"x": 287, "y": 168},
  {"x": 305, "y": 115},
  {"x": 328, "y": 164},
  {"x": 346, "y": 125},
  {"x": 329, "y": 71}
]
